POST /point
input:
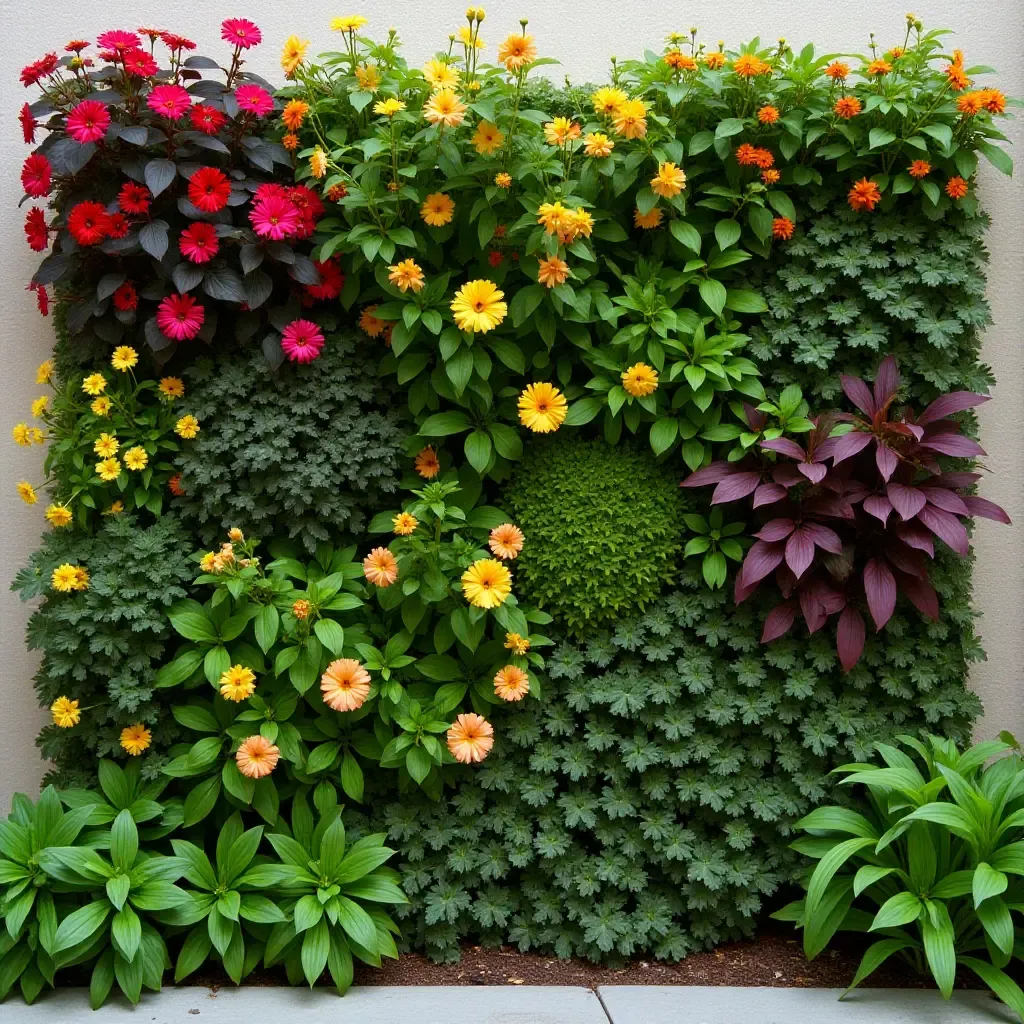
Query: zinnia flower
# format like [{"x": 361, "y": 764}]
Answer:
[
  {"x": 847, "y": 107},
  {"x": 139, "y": 63},
  {"x": 88, "y": 223},
  {"x": 274, "y": 218},
  {"x": 27, "y": 492},
  {"x": 37, "y": 232},
  {"x": 630, "y": 121},
  {"x": 782, "y": 228},
  {"x": 331, "y": 280},
  {"x": 864, "y": 195},
  {"x": 136, "y": 459},
  {"x": 180, "y": 317},
  {"x": 135, "y": 739},
  {"x": 640, "y": 380},
  {"x": 117, "y": 39},
  {"x": 28, "y": 124},
  {"x": 506, "y": 541},
  {"x": 879, "y": 67},
  {"x": 837, "y": 70},
  {"x": 125, "y": 297},
  {"x": 133, "y": 198},
  {"x": 487, "y": 138},
  {"x": 486, "y": 583},
  {"x": 240, "y": 32},
  {"x": 88, "y": 121},
  {"x": 170, "y": 101},
  {"x": 199, "y": 242},
  {"x": 478, "y": 306},
  {"x": 174, "y": 485},
  {"x": 206, "y": 119},
  {"x": 768, "y": 114},
  {"x": 302, "y": 341},
  {"x": 650, "y": 219},
  {"x": 470, "y": 738},
  {"x": 597, "y": 145},
  {"x": 254, "y": 99},
  {"x": 679, "y": 61},
  {"x": 747, "y": 65},
  {"x": 511, "y": 683},
  {"x": 124, "y": 358},
  {"x": 237, "y": 683},
  {"x": 292, "y": 54},
  {"x": 542, "y": 408},
  {"x": 209, "y": 189},
  {"x": 444, "y": 107},
  {"x": 427, "y": 464},
  {"x": 669, "y": 181},
  {"x": 35, "y": 176},
  {"x": 956, "y": 187},
  {"x": 405, "y": 523},
  {"x": 517, "y": 51},
  {"x": 58, "y": 515},
  {"x": 257, "y": 757},
  {"x": 294, "y": 114},
  {"x": 919, "y": 169},
  {"x": 552, "y": 271},
  {"x": 437, "y": 209},
  {"x": 406, "y": 275},
  {"x": 345, "y": 685},
  {"x": 65, "y": 713},
  {"x": 380, "y": 567},
  {"x": 187, "y": 427}
]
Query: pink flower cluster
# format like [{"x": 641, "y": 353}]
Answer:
[{"x": 280, "y": 212}]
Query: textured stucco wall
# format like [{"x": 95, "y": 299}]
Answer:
[{"x": 583, "y": 35}]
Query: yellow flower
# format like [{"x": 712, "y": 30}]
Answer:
[
  {"x": 478, "y": 306},
  {"x": 486, "y": 583},
  {"x": 115, "y": 509},
  {"x": 517, "y": 51},
  {"x": 81, "y": 578},
  {"x": 640, "y": 380},
  {"x": 106, "y": 446},
  {"x": 580, "y": 223},
  {"x": 292, "y": 55},
  {"x": 405, "y": 523},
  {"x": 40, "y": 405},
  {"x": 65, "y": 713},
  {"x": 348, "y": 23},
  {"x": 172, "y": 387},
  {"x": 440, "y": 75},
  {"x": 467, "y": 38},
  {"x": 511, "y": 683},
  {"x": 235, "y": 535},
  {"x": 503, "y": 180},
  {"x": 58, "y": 515},
  {"x": 487, "y": 138},
  {"x": 208, "y": 563},
  {"x": 94, "y": 384},
  {"x": 318, "y": 163},
  {"x": 294, "y": 114},
  {"x": 27, "y": 492},
  {"x": 368, "y": 77},
  {"x": 444, "y": 107},
  {"x": 388, "y": 107},
  {"x": 648, "y": 220},
  {"x": 437, "y": 209},
  {"x": 237, "y": 683},
  {"x": 36, "y": 436},
  {"x": 135, "y": 739},
  {"x": 597, "y": 144},
  {"x": 45, "y": 372},
  {"x": 542, "y": 407},
  {"x": 68, "y": 577},
  {"x": 406, "y": 275},
  {"x": 608, "y": 101},
  {"x": 187, "y": 427},
  {"x": 136, "y": 458},
  {"x": 554, "y": 216},
  {"x": 124, "y": 358},
  {"x": 552, "y": 271},
  {"x": 669, "y": 181},
  {"x": 108, "y": 469},
  {"x": 631, "y": 120},
  {"x": 21, "y": 434},
  {"x": 517, "y": 644},
  {"x": 559, "y": 131},
  {"x": 101, "y": 406}
]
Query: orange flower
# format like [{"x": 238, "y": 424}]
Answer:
[
  {"x": 864, "y": 195},
  {"x": 631, "y": 120},
  {"x": 763, "y": 158},
  {"x": 747, "y": 65},
  {"x": 771, "y": 177},
  {"x": 552, "y": 271},
  {"x": 837, "y": 70},
  {"x": 879, "y": 67},
  {"x": 669, "y": 181},
  {"x": 970, "y": 103},
  {"x": 345, "y": 685},
  {"x": 956, "y": 188},
  {"x": 650, "y": 219},
  {"x": 294, "y": 114},
  {"x": 506, "y": 541},
  {"x": 517, "y": 51},
  {"x": 768, "y": 114},
  {"x": 560, "y": 131},
  {"x": 598, "y": 145},
  {"x": 380, "y": 567},
  {"x": 301, "y": 609},
  {"x": 470, "y": 738},
  {"x": 445, "y": 108},
  {"x": 427, "y": 464},
  {"x": 135, "y": 739},
  {"x": 679, "y": 61},
  {"x": 437, "y": 209},
  {"x": 290, "y": 141},
  {"x": 847, "y": 107},
  {"x": 746, "y": 154},
  {"x": 994, "y": 101},
  {"x": 919, "y": 169},
  {"x": 257, "y": 757},
  {"x": 371, "y": 324},
  {"x": 958, "y": 79},
  {"x": 714, "y": 61},
  {"x": 511, "y": 683},
  {"x": 782, "y": 227}
]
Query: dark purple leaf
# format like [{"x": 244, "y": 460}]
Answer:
[
  {"x": 768, "y": 494},
  {"x": 786, "y": 447},
  {"x": 734, "y": 487},
  {"x": 947, "y": 500},
  {"x": 778, "y": 622},
  {"x": 850, "y": 444},
  {"x": 850, "y": 637},
  {"x": 953, "y": 444},
  {"x": 761, "y": 559},
  {"x": 957, "y": 479},
  {"x": 823, "y": 537},
  {"x": 785, "y": 474},
  {"x": 907, "y": 501},
  {"x": 711, "y": 474},
  {"x": 905, "y": 558},
  {"x": 880, "y": 590},
  {"x": 813, "y": 598},
  {"x": 916, "y": 536},
  {"x": 800, "y": 551},
  {"x": 814, "y": 471},
  {"x": 922, "y": 595},
  {"x": 886, "y": 461},
  {"x": 983, "y": 507},
  {"x": 879, "y": 506},
  {"x": 777, "y": 529},
  {"x": 946, "y": 405},
  {"x": 946, "y": 527},
  {"x": 887, "y": 382},
  {"x": 859, "y": 393}
]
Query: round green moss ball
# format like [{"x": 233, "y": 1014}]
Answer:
[{"x": 603, "y": 525}]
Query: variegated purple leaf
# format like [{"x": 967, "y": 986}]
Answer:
[
  {"x": 958, "y": 479},
  {"x": 886, "y": 461},
  {"x": 786, "y": 475},
  {"x": 777, "y": 529},
  {"x": 812, "y": 609},
  {"x": 880, "y": 591},
  {"x": 887, "y": 382},
  {"x": 946, "y": 527},
  {"x": 734, "y": 487},
  {"x": 905, "y": 558},
  {"x": 944, "y": 498},
  {"x": 850, "y": 637},
  {"x": 907, "y": 501},
  {"x": 879, "y": 506},
  {"x": 859, "y": 393},
  {"x": 946, "y": 405},
  {"x": 785, "y": 446},
  {"x": 778, "y": 622},
  {"x": 800, "y": 551},
  {"x": 987, "y": 509},
  {"x": 849, "y": 445},
  {"x": 768, "y": 494}
]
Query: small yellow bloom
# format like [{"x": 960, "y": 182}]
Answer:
[
  {"x": 36, "y": 436},
  {"x": 208, "y": 563},
  {"x": 407, "y": 275},
  {"x": 292, "y": 54},
  {"x": 669, "y": 181},
  {"x": 172, "y": 387},
  {"x": 294, "y": 114},
  {"x": 445, "y": 108},
  {"x": 114, "y": 509},
  {"x": 40, "y": 405},
  {"x": 517, "y": 51},
  {"x": 94, "y": 384},
  {"x": 22, "y": 434},
  {"x": 235, "y": 535},
  {"x": 348, "y": 23},
  {"x": 318, "y": 163},
  {"x": 467, "y": 38},
  {"x": 388, "y": 107},
  {"x": 517, "y": 644},
  {"x": 65, "y": 712},
  {"x": 405, "y": 523},
  {"x": 136, "y": 458},
  {"x": 440, "y": 75},
  {"x": 187, "y": 427},
  {"x": 237, "y": 683},
  {"x": 27, "y": 492},
  {"x": 106, "y": 446},
  {"x": 301, "y": 609},
  {"x": 58, "y": 515},
  {"x": 640, "y": 380},
  {"x": 598, "y": 145},
  {"x": 487, "y": 139},
  {"x": 108, "y": 469},
  {"x": 101, "y": 406},
  {"x": 68, "y": 577},
  {"x": 124, "y": 358},
  {"x": 631, "y": 120},
  {"x": 478, "y": 306},
  {"x": 542, "y": 407},
  {"x": 135, "y": 739},
  {"x": 503, "y": 180},
  {"x": 45, "y": 372},
  {"x": 554, "y": 216},
  {"x": 368, "y": 77},
  {"x": 560, "y": 131},
  {"x": 608, "y": 101},
  {"x": 486, "y": 583},
  {"x": 437, "y": 209}
]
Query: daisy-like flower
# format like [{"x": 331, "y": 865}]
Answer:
[
  {"x": 679, "y": 61},
  {"x": 88, "y": 121},
  {"x": 237, "y": 683},
  {"x": 40, "y": 405},
  {"x": 170, "y": 101},
  {"x": 847, "y": 107},
  {"x": 768, "y": 114},
  {"x": 511, "y": 683},
  {"x": 771, "y": 177},
  {"x": 380, "y": 567},
  {"x": 125, "y": 297},
  {"x": 747, "y": 65},
  {"x": 640, "y": 380},
  {"x": 782, "y": 228},
  {"x": 124, "y": 358},
  {"x": 651, "y": 219},
  {"x": 608, "y": 101},
  {"x": 487, "y": 138},
  {"x": 506, "y": 541},
  {"x": 302, "y": 341},
  {"x": 27, "y": 492},
  {"x": 427, "y": 463},
  {"x": 44, "y": 374},
  {"x": 257, "y": 757},
  {"x": 486, "y": 583},
  {"x": 552, "y": 271},
  {"x": 58, "y": 515},
  {"x": 560, "y": 131},
  {"x": 172, "y": 387},
  {"x": 136, "y": 459},
  {"x": 445, "y": 108},
  {"x": 94, "y": 384},
  {"x": 370, "y": 324},
  {"x": 115, "y": 509},
  {"x": 88, "y": 223},
  {"x": 957, "y": 188},
  {"x": 407, "y": 275},
  {"x": 199, "y": 243},
  {"x": 209, "y": 189},
  {"x": 206, "y": 119},
  {"x": 139, "y": 63},
  {"x": 348, "y": 23},
  {"x": 630, "y": 121},
  {"x": 470, "y": 738},
  {"x": 65, "y": 578},
  {"x": 106, "y": 446},
  {"x": 240, "y": 32},
  {"x": 65, "y": 712},
  {"x": 879, "y": 67},
  {"x": 542, "y": 407},
  {"x": 133, "y": 198},
  {"x": 290, "y": 141},
  {"x": 440, "y": 74},
  {"x": 388, "y": 107},
  {"x": 28, "y": 124},
  {"x": 517, "y": 51},
  {"x": 22, "y": 434},
  {"x": 864, "y": 195},
  {"x": 117, "y": 39},
  {"x": 331, "y": 280},
  {"x": 919, "y": 169},
  {"x": 478, "y": 306},
  {"x": 517, "y": 644},
  {"x": 108, "y": 470},
  {"x": 368, "y": 77},
  {"x": 318, "y": 163},
  {"x": 135, "y": 739},
  {"x": 187, "y": 427},
  {"x": 837, "y": 70},
  {"x": 503, "y": 179},
  {"x": 255, "y": 100},
  {"x": 437, "y": 209},
  {"x": 174, "y": 485},
  {"x": 101, "y": 406},
  {"x": 35, "y": 176},
  {"x": 404, "y": 524},
  {"x": 275, "y": 218},
  {"x": 669, "y": 181},
  {"x": 293, "y": 53},
  {"x": 180, "y": 317},
  {"x": 597, "y": 145},
  {"x": 715, "y": 60},
  {"x": 345, "y": 685}
]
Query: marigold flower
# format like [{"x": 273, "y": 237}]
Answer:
[
  {"x": 101, "y": 406},
  {"x": 994, "y": 101},
  {"x": 66, "y": 578},
  {"x": 437, "y": 209},
  {"x": 208, "y": 563},
  {"x": 517, "y": 51},
  {"x": 187, "y": 427},
  {"x": 747, "y": 65},
  {"x": 40, "y": 405},
  {"x": 553, "y": 216},
  {"x": 440, "y": 74},
  {"x": 301, "y": 609},
  {"x": 957, "y": 77},
  {"x": 348, "y": 23},
  {"x": 345, "y": 685},
  {"x": 388, "y": 107},
  {"x": 88, "y": 121},
  {"x": 292, "y": 54},
  {"x": 597, "y": 145},
  {"x": 45, "y": 372},
  {"x": 22, "y": 434},
  {"x": 608, "y": 101},
  {"x": 630, "y": 121},
  {"x": 640, "y": 380},
  {"x": 65, "y": 712},
  {"x": 560, "y": 131},
  {"x": 679, "y": 61},
  {"x": 517, "y": 644},
  {"x": 864, "y": 195},
  {"x": 487, "y": 139},
  {"x": 506, "y": 541},
  {"x": 542, "y": 407},
  {"x": 135, "y": 739},
  {"x": 651, "y": 219},
  {"x": 257, "y": 757},
  {"x": 552, "y": 271},
  {"x": 174, "y": 485},
  {"x": 771, "y": 177},
  {"x": 237, "y": 683},
  {"x": 290, "y": 141},
  {"x": 380, "y": 567},
  {"x": 782, "y": 228},
  {"x": 406, "y": 275},
  {"x": 503, "y": 180},
  {"x": 427, "y": 463},
  {"x": 956, "y": 187},
  {"x": 302, "y": 341},
  {"x": 172, "y": 387},
  {"x": 879, "y": 67},
  {"x": 445, "y": 108},
  {"x": 27, "y": 492},
  {"x": 715, "y": 60},
  {"x": 768, "y": 114},
  {"x": 94, "y": 384},
  {"x": 970, "y": 103},
  {"x": 669, "y": 181},
  {"x": 294, "y": 113},
  {"x": 919, "y": 169},
  {"x": 511, "y": 683},
  {"x": 58, "y": 515},
  {"x": 470, "y": 738},
  {"x": 847, "y": 107},
  {"x": 837, "y": 70},
  {"x": 106, "y": 446},
  {"x": 136, "y": 459},
  {"x": 478, "y": 306}
]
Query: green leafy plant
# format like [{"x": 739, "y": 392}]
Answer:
[{"x": 717, "y": 541}]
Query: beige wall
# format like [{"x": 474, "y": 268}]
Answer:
[{"x": 583, "y": 35}]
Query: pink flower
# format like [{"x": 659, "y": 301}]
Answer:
[
  {"x": 179, "y": 317},
  {"x": 171, "y": 101},
  {"x": 268, "y": 189},
  {"x": 240, "y": 32},
  {"x": 117, "y": 39},
  {"x": 139, "y": 63},
  {"x": 35, "y": 175},
  {"x": 28, "y": 123},
  {"x": 198, "y": 242},
  {"x": 175, "y": 42},
  {"x": 274, "y": 218},
  {"x": 88, "y": 122},
  {"x": 254, "y": 100},
  {"x": 302, "y": 341}
]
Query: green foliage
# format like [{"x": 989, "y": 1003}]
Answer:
[
  {"x": 305, "y": 452},
  {"x": 602, "y": 525},
  {"x": 938, "y": 852}
]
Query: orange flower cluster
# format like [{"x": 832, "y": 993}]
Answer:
[
  {"x": 971, "y": 103},
  {"x": 680, "y": 61},
  {"x": 747, "y": 65},
  {"x": 754, "y": 156},
  {"x": 864, "y": 195}
]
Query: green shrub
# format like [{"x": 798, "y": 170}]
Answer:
[
  {"x": 604, "y": 529},
  {"x": 306, "y": 452}
]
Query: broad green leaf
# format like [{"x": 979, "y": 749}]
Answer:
[
  {"x": 939, "y": 947},
  {"x": 81, "y": 924},
  {"x": 903, "y": 908}
]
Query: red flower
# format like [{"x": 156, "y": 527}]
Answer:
[
  {"x": 254, "y": 100},
  {"x": 268, "y": 189},
  {"x": 782, "y": 227},
  {"x": 76, "y": 46},
  {"x": 170, "y": 101},
  {"x": 28, "y": 123},
  {"x": 39, "y": 69},
  {"x": 139, "y": 63},
  {"x": 133, "y": 198},
  {"x": 89, "y": 223},
  {"x": 176, "y": 42},
  {"x": 274, "y": 218},
  {"x": 153, "y": 34},
  {"x": 126, "y": 298},
  {"x": 957, "y": 188},
  {"x": 88, "y": 122},
  {"x": 117, "y": 39},
  {"x": 331, "y": 281},
  {"x": 42, "y": 299},
  {"x": 174, "y": 485},
  {"x": 302, "y": 341},
  {"x": 36, "y": 231},
  {"x": 198, "y": 242},
  {"x": 179, "y": 317},
  {"x": 117, "y": 225},
  {"x": 495, "y": 257},
  {"x": 35, "y": 175},
  {"x": 240, "y": 32},
  {"x": 308, "y": 202},
  {"x": 208, "y": 189},
  {"x": 206, "y": 119}
]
